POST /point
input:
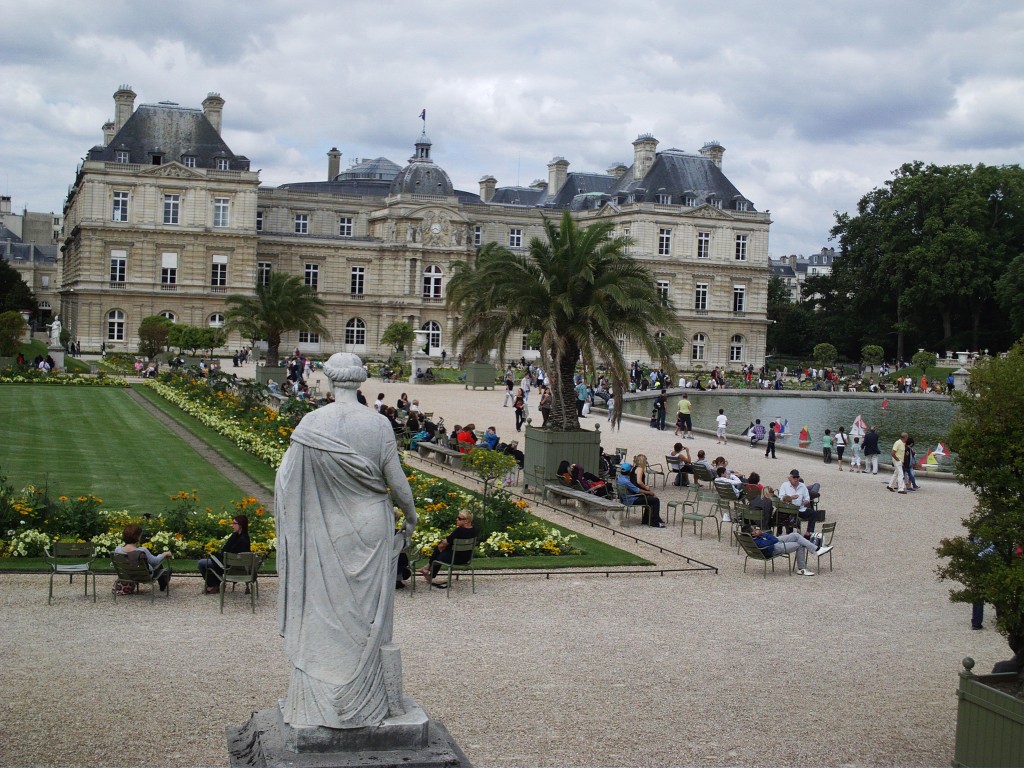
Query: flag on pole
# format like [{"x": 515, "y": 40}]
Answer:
[{"x": 423, "y": 115}]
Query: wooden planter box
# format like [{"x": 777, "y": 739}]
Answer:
[
  {"x": 481, "y": 375},
  {"x": 989, "y": 722},
  {"x": 264, "y": 373},
  {"x": 545, "y": 450}
]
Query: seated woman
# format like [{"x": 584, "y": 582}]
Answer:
[
  {"x": 237, "y": 542},
  {"x": 763, "y": 503},
  {"x": 588, "y": 482},
  {"x": 682, "y": 455},
  {"x": 444, "y": 552},
  {"x": 132, "y": 536},
  {"x": 467, "y": 438},
  {"x": 403, "y": 402}
]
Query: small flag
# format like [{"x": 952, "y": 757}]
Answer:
[{"x": 423, "y": 115}]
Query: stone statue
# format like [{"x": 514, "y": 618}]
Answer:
[
  {"x": 337, "y": 552},
  {"x": 55, "y": 332}
]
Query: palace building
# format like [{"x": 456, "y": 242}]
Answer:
[{"x": 163, "y": 218}]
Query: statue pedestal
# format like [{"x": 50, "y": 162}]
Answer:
[
  {"x": 57, "y": 353},
  {"x": 411, "y": 740},
  {"x": 421, "y": 361}
]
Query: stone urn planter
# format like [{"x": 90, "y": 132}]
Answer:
[
  {"x": 545, "y": 450},
  {"x": 989, "y": 719},
  {"x": 481, "y": 375}
]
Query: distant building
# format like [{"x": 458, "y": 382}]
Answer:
[
  {"x": 164, "y": 219},
  {"x": 28, "y": 243},
  {"x": 794, "y": 270}
]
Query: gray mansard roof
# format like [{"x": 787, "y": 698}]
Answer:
[
  {"x": 680, "y": 175},
  {"x": 173, "y": 132}
]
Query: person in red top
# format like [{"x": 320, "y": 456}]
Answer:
[{"x": 467, "y": 438}]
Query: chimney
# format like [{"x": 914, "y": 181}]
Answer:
[
  {"x": 487, "y": 185},
  {"x": 713, "y": 151},
  {"x": 108, "y": 132},
  {"x": 618, "y": 170},
  {"x": 5, "y": 203},
  {"x": 124, "y": 104},
  {"x": 213, "y": 108},
  {"x": 333, "y": 163},
  {"x": 643, "y": 154},
  {"x": 557, "y": 170}
]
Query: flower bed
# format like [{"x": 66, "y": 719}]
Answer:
[{"x": 35, "y": 376}]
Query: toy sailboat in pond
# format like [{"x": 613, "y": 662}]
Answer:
[
  {"x": 859, "y": 427},
  {"x": 780, "y": 427},
  {"x": 805, "y": 436}
]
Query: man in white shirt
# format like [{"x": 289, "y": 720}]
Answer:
[
  {"x": 795, "y": 492},
  {"x": 380, "y": 402},
  {"x": 723, "y": 421}
]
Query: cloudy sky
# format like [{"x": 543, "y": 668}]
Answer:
[{"x": 815, "y": 102}]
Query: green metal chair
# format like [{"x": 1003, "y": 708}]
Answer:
[
  {"x": 460, "y": 546},
  {"x": 692, "y": 514},
  {"x": 137, "y": 572},
  {"x": 71, "y": 559},
  {"x": 828, "y": 532},
  {"x": 239, "y": 568}
]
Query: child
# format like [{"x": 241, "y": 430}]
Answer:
[
  {"x": 826, "y": 446},
  {"x": 858, "y": 454},
  {"x": 723, "y": 421},
  {"x": 770, "y": 448}
]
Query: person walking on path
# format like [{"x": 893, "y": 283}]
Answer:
[
  {"x": 722, "y": 421},
  {"x": 684, "y": 421},
  {"x": 826, "y": 446},
  {"x": 662, "y": 405},
  {"x": 871, "y": 451},
  {"x": 899, "y": 450},
  {"x": 772, "y": 435}
]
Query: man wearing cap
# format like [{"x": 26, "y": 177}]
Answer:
[
  {"x": 632, "y": 494},
  {"x": 795, "y": 492}
]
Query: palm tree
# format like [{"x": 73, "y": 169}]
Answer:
[
  {"x": 578, "y": 289},
  {"x": 283, "y": 304}
]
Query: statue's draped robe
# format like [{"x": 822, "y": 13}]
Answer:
[{"x": 336, "y": 560}]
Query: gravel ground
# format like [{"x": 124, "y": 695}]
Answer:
[{"x": 853, "y": 667}]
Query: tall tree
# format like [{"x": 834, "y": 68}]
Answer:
[
  {"x": 578, "y": 288},
  {"x": 283, "y": 304},
  {"x": 15, "y": 294}
]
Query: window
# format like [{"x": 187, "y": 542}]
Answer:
[
  {"x": 120, "y": 156},
  {"x": 664, "y": 242},
  {"x": 115, "y": 325},
  {"x": 223, "y": 164},
  {"x": 311, "y": 276},
  {"x": 216, "y": 320},
  {"x": 120, "y": 210},
  {"x": 741, "y": 247},
  {"x": 626, "y": 236},
  {"x": 622, "y": 344},
  {"x": 432, "y": 282},
  {"x": 478, "y": 235},
  {"x": 301, "y": 223},
  {"x": 736, "y": 349},
  {"x": 263, "y": 273},
  {"x": 716, "y": 202},
  {"x": 219, "y": 272},
  {"x": 171, "y": 205},
  {"x": 697, "y": 349},
  {"x": 742, "y": 205},
  {"x": 345, "y": 226},
  {"x": 259, "y": 221},
  {"x": 703, "y": 245},
  {"x": 700, "y": 297},
  {"x": 355, "y": 332},
  {"x": 169, "y": 315},
  {"x": 663, "y": 291},
  {"x": 433, "y": 336},
  {"x": 308, "y": 337},
  {"x": 189, "y": 161},
  {"x": 739, "y": 296},
  {"x": 118, "y": 266},
  {"x": 527, "y": 346},
  {"x": 515, "y": 238},
  {"x": 168, "y": 269},
  {"x": 357, "y": 282},
  {"x": 221, "y": 211},
  {"x": 690, "y": 201},
  {"x": 664, "y": 199}
]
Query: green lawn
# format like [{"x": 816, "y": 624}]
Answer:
[{"x": 98, "y": 440}]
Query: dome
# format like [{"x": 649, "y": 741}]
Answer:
[
  {"x": 379, "y": 168},
  {"x": 421, "y": 176}
]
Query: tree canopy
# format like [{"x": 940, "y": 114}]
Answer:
[
  {"x": 281, "y": 305},
  {"x": 15, "y": 293},
  {"x": 927, "y": 261},
  {"x": 578, "y": 288}
]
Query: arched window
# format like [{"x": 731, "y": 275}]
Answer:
[
  {"x": 699, "y": 343},
  {"x": 432, "y": 279},
  {"x": 216, "y": 320},
  {"x": 169, "y": 315},
  {"x": 736, "y": 349},
  {"x": 355, "y": 333},
  {"x": 115, "y": 325},
  {"x": 433, "y": 337}
]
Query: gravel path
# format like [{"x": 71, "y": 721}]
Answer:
[{"x": 852, "y": 667}]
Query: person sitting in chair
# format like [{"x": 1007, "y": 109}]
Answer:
[
  {"x": 632, "y": 493},
  {"x": 132, "y": 536},
  {"x": 771, "y": 545},
  {"x": 443, "y": 553},
  {"x": 237, "y": 542}
]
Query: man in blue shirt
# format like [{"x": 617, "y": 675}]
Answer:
[{"x": 771, "y": 545}]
